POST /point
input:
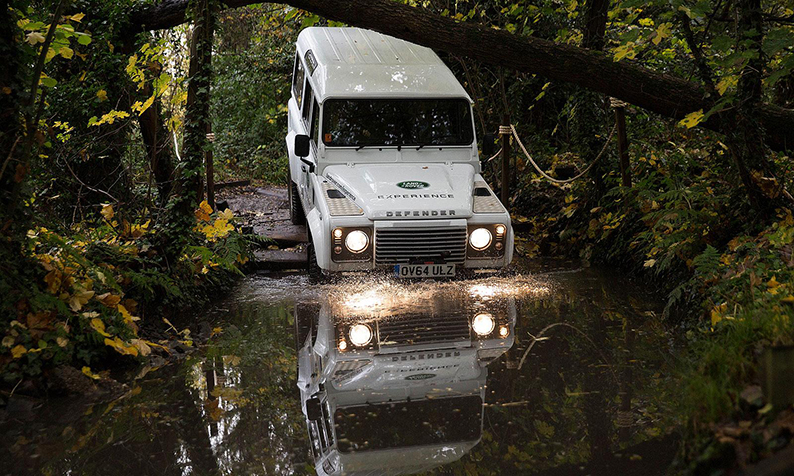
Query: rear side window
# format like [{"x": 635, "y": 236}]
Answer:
[
  {"x": 297, "y": 80},
  {"x": 315, "y": 129},
  {"x": 307, "y": 106}
]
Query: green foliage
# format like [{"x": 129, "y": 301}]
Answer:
[{"x": 251, "y": 87}]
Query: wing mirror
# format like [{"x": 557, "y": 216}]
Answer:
[
  {"x": 488, "y": 145},
  {"x": 314, "y": 409},
  {"x": 302, "y": 145}
]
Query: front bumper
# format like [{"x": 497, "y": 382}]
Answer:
[{"x": 422, "y": 242}]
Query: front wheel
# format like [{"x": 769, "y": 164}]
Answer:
[{"x": 296, "y": 214}]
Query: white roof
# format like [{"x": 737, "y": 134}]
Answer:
[{"x": 353, "y": 62}]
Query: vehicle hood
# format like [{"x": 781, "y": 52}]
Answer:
[{"x": 407, "y": 191}]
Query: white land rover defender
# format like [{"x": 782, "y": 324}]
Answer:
[
  {"x": 383, "y": 160},
  {"x": 397, "y": 393}
]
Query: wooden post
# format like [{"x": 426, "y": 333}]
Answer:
[
  {"x": 623, "y": 142},
  {"x": 210, "y": 167},
  {"x": 504, "y": 136}
]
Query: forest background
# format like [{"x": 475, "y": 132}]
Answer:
[{"x": 105, "y": 105}]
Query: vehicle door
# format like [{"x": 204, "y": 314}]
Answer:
[{"x": 310, "y": 118}]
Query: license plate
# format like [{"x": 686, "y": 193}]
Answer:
[{"x": 424, "y": 270}]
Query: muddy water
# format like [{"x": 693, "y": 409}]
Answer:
[{"x": 578, "y": 382}]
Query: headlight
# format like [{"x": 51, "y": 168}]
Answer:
[
  {"x": 482, "y": 324},
  {"x": 356, "y": 241},
  {"x": 480, "y": 239},
  {"x": 360, "y": 335}
]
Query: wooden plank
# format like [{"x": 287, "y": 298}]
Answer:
[
  {"x": 279, "y": 260},
  {"x": 286, "y": 238}
]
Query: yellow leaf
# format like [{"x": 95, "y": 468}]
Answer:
[
  {"x": 19, "y": 351},
  {"x": 107, "y": 211},
  {"x": 66, "y": 52},
  {"x": 102, "y": 95},
  {"x": 662, "y": 32},
  {"x": 650, "y": 263},
  {"x": 226, "y": 215},
  {"x": 692, "y": 119},
  {"x": 146, "y": 105},
  {"x": 726, "y": 83},
  {"x": 99, "y": 326},
  {"x": 216, "y": 331},
  {"x": 62, "y": 341},
  {"x": 625, "y": 51},
  {"x": 79, "y": 298},
  {"x": 772, "y": 283},
  {"x": 788, "y": 299},
  {"x": 77, "y": 17},
  {"x": 128, "y": 318},
  {"x": 88, "y": 373},
  {"x": 203, "y": 211},
  {"x": 121, "y": 347}
]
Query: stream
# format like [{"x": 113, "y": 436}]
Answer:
[{"x": 553, "y": 370}]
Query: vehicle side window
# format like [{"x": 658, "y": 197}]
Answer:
[
  {"x": 307, "y": 106},
  {"x": 322, "y": 433},
  {"x": 315, "y": 442},
  {"x": 297, "y": 80},
  {"x": 329, "y": 424},
  {"x": 314, "y": 132}
]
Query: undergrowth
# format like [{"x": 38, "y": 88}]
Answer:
[
  {"x": 77, "y": 301},
  {"x": 727, "y": 270}
]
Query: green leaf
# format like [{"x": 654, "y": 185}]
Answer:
[
  {"x": 83, "y": 39},
  {"x": 778, "y": 40},
  {"x": 722, "y": 43},
  {"x": 48, "y": 82}
]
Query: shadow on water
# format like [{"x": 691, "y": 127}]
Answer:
[{"x": 558, "y": 371}]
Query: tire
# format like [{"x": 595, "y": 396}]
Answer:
[
  {"x": 296, "y": 213},
  {"x": 315, "y": 272}
]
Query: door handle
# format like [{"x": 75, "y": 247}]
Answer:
[{"x": 308, "y": 163}]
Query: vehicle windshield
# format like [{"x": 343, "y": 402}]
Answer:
[
  {"x": 417, "y": 423},
  {"x": 397, "y": 122}
]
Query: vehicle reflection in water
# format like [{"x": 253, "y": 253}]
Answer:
[
  {"x": 596, "y": 394},
  {"x": 392, "y": 387}
]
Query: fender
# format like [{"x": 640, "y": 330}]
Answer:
[{"x": 318, "y": 234}]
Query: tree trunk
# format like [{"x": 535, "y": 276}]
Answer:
[
  {"x": 196, "y": 120},
  {"x": 663, "y": 94},
  {"x": 156, "y": 141},
  {"x": 590, "y": 114},
  {"x": 745, "y": 139},
  {"x": 13, "y": 218}
]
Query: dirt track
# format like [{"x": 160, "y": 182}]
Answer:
[{"x": 265, "y": 207}]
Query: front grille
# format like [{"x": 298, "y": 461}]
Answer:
[
  {"x": 423, "y": 329},
  {"x": 406, "y": 245}
]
